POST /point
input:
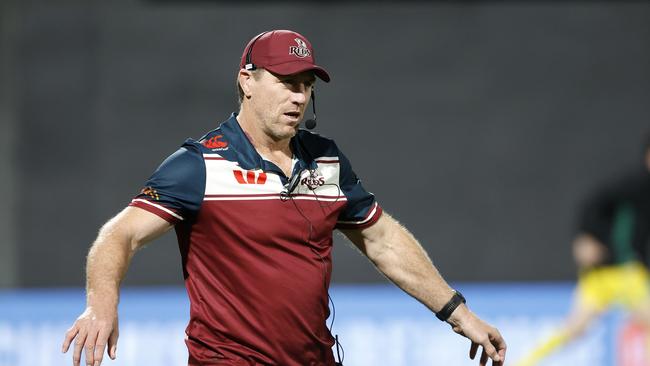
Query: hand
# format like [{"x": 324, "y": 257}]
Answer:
[
  {"x": 465, "y": 323},
  {"x": 93, "y": 331}
]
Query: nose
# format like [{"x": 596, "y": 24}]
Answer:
[{"x": 300, "y": 94}]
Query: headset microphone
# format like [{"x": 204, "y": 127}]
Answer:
[{"x": 311, "y": 123}]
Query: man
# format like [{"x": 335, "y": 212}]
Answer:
[
  {"x": 254, "y": 204},
  {"x": 611, "y": 252}
]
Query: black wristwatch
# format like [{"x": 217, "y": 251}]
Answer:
[{"x": 449, "y": 308}]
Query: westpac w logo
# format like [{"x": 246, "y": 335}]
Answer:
[
  {"x": 301, "y": 50},
  {"x": 251, "y": 177}
]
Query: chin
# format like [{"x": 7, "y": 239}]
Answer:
[
  {"x": 292, "y": 132},
  {"x": 286, "y": 133}
]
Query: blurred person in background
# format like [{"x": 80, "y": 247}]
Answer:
[
  {"x": 254, "y": 204},
  {"x": 611, "y": 253}
]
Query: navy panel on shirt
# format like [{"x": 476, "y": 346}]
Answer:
[
  {"x": 362, "y": 208},
  {"x": 175, "y": 190}
]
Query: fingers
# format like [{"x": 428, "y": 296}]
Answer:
[
  {"x": 472, "y": 350},
  {"x": 489, "y": 351},
  {"x": 100, "y": 346},
  {"x": 482, "y": 335},
  {"x": 112, "y": 343},
  {"x": 497, "y": 341},
  {"x": 69, "y": 336},
  {"x": 502, "y": 353},
  {"x": 484, "y": 358},
  {"x": 78, "y": 346},
  {"x": 89, "y": 347}
]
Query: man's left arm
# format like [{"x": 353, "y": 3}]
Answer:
[{"x": 399, "y": 256}]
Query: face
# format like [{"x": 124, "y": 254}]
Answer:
[{"x": 279, "y": 102}]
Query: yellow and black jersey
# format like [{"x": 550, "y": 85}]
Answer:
[{"x": 621, "y": 284}]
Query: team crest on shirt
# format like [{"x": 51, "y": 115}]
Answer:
[
  {"x": 313, "y": 180},
  {"x": 301, "y": 50},
  {"x": 215, "y": 143}
]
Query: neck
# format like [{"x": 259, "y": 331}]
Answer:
[{"x": 263, "y": 142}]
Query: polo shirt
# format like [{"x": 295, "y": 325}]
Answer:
[{"x": 256, "y": 245}]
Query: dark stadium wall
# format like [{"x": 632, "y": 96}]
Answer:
[
  {"x": 8, "y": 127},
  {"x": 480, "y": 126}
]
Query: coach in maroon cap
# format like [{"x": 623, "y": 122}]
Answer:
[{"x": 254, "y": 204}]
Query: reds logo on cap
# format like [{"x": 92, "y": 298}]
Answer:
[{"x": 300, "y": 51}]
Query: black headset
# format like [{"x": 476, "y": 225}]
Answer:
[{"x": 249, "y": 65}]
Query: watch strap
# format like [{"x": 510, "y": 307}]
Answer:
[{"x": 450, "y": 306}]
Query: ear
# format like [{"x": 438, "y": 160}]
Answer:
[{"x": 245, "y": 79}]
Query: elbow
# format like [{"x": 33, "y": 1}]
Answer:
[{"x": 117, "y": 237}]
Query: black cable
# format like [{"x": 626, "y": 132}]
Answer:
[
  {"x": 338, "y": 354},
  {"x": 287, "y": 195}
]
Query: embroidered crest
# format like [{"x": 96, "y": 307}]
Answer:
[{"x": 301, "y": 50}]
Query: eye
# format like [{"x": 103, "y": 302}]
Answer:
[{"x": 289, "y": 83}]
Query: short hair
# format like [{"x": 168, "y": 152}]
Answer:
[{"x": 240, "y": 91}]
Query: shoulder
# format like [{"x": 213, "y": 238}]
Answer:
[
  {"x": 190, "y": 155},
  {"x": 317, "y": 145},
  {"x": 210, "y": 143}
]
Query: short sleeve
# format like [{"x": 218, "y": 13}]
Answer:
[
  {"x": 175, "y": 190},
  {"x": 362, "y": 210}
]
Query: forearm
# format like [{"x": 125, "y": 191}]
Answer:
[
  {"x": 96, "y": 329},
  {"x": 399, "y": 256},
  {"x": 106, "y": 266}
]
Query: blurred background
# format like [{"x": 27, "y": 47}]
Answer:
[{"x": 480, "y": 125}]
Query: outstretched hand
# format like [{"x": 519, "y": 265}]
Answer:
[
  {"x": 467, "y": 324},
  {"x": 93, "y": 332}
]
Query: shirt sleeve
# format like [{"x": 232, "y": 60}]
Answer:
[
  {"x": 176, "y": 189},
  {"x": 362, "y": 210}
]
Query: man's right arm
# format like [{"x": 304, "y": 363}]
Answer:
[{"x": 108, "y": 259}]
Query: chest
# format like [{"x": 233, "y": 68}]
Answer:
[
  {"x": 260, "y": 205},
  {"x": 226, "y": 180}
]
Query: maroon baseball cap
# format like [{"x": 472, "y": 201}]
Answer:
[{"x": 282, "y": 52}]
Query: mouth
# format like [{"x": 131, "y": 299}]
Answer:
[{"x": 293, "y": 115}]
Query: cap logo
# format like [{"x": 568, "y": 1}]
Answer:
[{"x": 301, "y": 50}]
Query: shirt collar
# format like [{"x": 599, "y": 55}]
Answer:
[{"x": 248, "y": 157}]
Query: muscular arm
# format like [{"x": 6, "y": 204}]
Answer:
[
  {"x": 108, "y": 260},
  {"x": 399, "y": 256}
]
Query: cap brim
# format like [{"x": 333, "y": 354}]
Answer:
[{"x": 295, "y": 67}]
